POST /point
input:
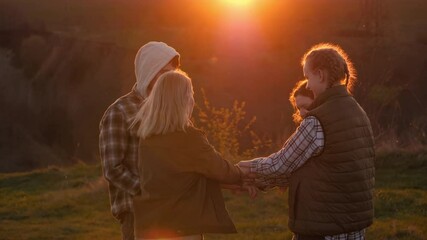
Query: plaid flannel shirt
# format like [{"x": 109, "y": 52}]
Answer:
[
  {"x": 276, "y": 169},
  {"x": 357, "y": 235},
  {"x": 119, "y": 152}
]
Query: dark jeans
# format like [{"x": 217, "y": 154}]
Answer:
[{"x": 126, "y": 220}]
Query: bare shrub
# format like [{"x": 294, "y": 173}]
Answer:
[{"x": 229, "y": 130}]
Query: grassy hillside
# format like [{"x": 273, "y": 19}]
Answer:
[{"x": 72, "y": 203}]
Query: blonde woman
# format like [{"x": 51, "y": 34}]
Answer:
[{"x": 180, "y": 171}]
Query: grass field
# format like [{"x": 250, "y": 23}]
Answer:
[{"x": 72, "y": 203}]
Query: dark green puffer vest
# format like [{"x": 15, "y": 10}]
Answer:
[{"x": 333, "y": 192}]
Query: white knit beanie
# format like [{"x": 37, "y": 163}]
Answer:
[{"x": 149, "y": 60}]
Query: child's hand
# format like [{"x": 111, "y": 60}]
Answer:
[
  {"x": 251, "y": 189},
  {"x": 245, "y": 168}
]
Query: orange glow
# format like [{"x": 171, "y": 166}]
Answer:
[
  {"x": 239, "y": 3},
  {"x": 239, "y": 30}
]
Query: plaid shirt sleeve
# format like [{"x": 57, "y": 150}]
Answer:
[
  {"x": 113, "y": 142},
  {"x": 357, "y": 235},
  {"x": 306, "y": 142}
]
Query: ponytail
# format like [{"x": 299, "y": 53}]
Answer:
[{"x": 335, "y": 61}]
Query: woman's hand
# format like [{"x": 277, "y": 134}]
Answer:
[{"x": 245, "y": 168}]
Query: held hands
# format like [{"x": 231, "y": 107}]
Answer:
[
  {"x": 248, "y": 180},
  {"x": 245, "y": 167}
]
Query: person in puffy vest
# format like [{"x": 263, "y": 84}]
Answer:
[{"x": 328, "y": 162}]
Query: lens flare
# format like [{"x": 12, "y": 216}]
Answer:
[{"x": 239, "y": 3}]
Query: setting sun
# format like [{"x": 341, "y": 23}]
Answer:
[{"x": 239, "y": 3}]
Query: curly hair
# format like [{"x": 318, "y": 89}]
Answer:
[{"x": 300, "y": 88}]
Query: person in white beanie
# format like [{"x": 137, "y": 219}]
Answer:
[{"x": 118, "y": 146}]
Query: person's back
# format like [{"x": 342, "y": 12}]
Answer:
[
  {"x": 332, "y": 194},
  {"x": 339, "y": 180},
  {"x": 117, "y": 145},
  {"x": 179, "y": 169},
  {"x": 177, "y": 198}
]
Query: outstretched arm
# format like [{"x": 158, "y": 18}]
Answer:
[
  {"x": 275, "y": 170},
  {"x": 210, "y": 163}
]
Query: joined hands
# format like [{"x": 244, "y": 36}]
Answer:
[{"x": 248, "y": 180}]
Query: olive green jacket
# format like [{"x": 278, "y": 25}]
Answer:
[{"x": 180, "y": 193}]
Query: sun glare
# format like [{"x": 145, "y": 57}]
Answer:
[{"x": 239, "y": 3}]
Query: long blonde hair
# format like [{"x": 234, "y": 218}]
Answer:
[{"x": 168, "y": 108}]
